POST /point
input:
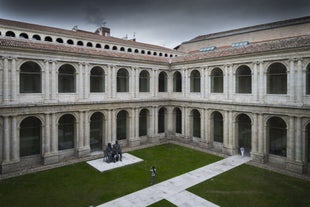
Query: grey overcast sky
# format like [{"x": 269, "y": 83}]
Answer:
[{"x": 162, "y": 22}]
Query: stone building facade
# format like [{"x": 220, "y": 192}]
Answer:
[{"x": 66, "y": 94}]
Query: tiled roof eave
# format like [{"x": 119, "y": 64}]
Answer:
[{"x": 10, "y": 43}]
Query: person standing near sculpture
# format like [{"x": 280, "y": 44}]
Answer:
[{"x": 153, "y": 174}]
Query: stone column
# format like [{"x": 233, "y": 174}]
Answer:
[
  {"x": 13, "y": 81},
  {"x": 108, "y": 127},
  {"x": 260, "y": 155},
  {"x": 156, "y": 83},
  {"x": 113, "y": 82},
  {"x": 187, "y": 131},
  {"x": 80, "y": 81},
  {"x": 226, "y": 130},
  {"x": 254, "y": 129},
  {"x": 50, "y": 155},
  {"x": 113, "y": 120},
  {"x": 291, "y": 139},
  {"x": 207, "y": 83},
  {"x": 202, "y": 83},
  {"x": 151, "y": 125},
  {"x": 133, "y": 129},
  {"x": 155, "y": 108},
  {"x": 46, "y": 81},
  {"x": 54, "y": 80},
  {"x": 207, "y": 128},
  {"x": 86, "y": 81},
  {"x": 184, "y": 82},
  {"x": 291, "y": 88},
  {"x": 6, "y": 139},
  {"x": 152, "y": 83},
  {"x": 82, "y": 150},
  {"x": 170, "y": 122},
  {"x": 202, "y": 127},
  {"x": 47, "y": 142},
  {"x": 231, "y": 83},
  {"x": 86, "y": 131},
  {"x": 299, "y": 81},
  {"x": 15, "y": 141},
  {"x": 261, "y": 85},
  {"x": 54, "y": 134},
  {"x": 255, "y": 81},
  {"x": 226, "y": 82},
  {"x": 6, "y": 81},
  {"x": 298, "y": 149},
  {"x": 108, "y": 85}
]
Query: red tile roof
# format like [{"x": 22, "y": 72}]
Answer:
[{"x": 252, "y": 48}]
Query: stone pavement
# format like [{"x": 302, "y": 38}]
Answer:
[
  {"x": 174, "y": 190},
  {"x": 102, "y": 166}
]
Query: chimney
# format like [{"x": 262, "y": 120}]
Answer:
[{"x": 104, "y": 31}]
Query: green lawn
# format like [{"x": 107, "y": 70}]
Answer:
[
  {"x": 163, "y": 203},
  {"x": 81, "y": 185},
  {"x": 250, "y": 186}
]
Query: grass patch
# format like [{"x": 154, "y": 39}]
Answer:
[
  {"x": 250, "y": 186},
  {"x": 81, "y": 185},
  {"x": 162, "y": 203}
]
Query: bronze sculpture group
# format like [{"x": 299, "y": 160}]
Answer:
[{"x": 112, "y": 154}]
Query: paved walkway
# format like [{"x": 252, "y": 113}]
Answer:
[{"x": 174, "y": 190}]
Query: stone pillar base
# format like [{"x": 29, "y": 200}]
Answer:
[
  {"x": 227, "y": 150},
  {"x": 154, "y": 139},
  {"x": 134, "y": 142},
  {"x": 10, "y": 167},
  {"x": 83, "y": 152},
  {"x": 204, "y": 144},
  {"x": 295, "y": 166},
  {"x": 257, "y": 157},
  {"x": 50, "y": 158}
]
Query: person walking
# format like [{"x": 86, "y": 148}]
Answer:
[{"x": 153, "y": 174}]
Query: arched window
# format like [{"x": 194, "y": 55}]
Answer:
[
  {"x": 243, "y": 80},
  {"x": 129, "y": 50},
  {"x": 66, "y": 79},
  {"x": 178, "y": 120},
  {"x": 70, "y": 42},
  {"x": 144, "y": 81},
  {"x": 166, "y": 55},
  {"x": 97, "y": 79},
  {"x": 177, "y": 82},
  {"x": 196, "y": 126},
  {"x": 160, "y": 54},
  {"x": 143, "y": 122},
  {"x": 142, "y": 52},
  {"x": 96, "y": 131},
  {"x": 308, "y": 142},
  {"x": 122, "y": 124},
  {"x": 162, "y": 82},
  {"x": 277, "y": 136},
  {"x": 30, "y": 136},
  {"x": 217, "y": 81},
  {"x": 66, "y": 132},
  {"x": 89, "y": 44},
  {"x": 10, "y": 34},
  {"x": 218, "y": 127},
  {"x": 98, "y": 45},
  {"x": 59, "y": 40},
  {"x": 149, "y": 52},
  {"x": 161, "y": 120},
  {"x": 36, "y": 37},
  {"x": 107, "y": 47},
  {"x": 308, "y": 80},
  {"x": 276, "y": 79},
  {"x": 195, "y": 81},
  {"x": 244, "y": 132},
  {"x": 23, "y": 36},
  {"x": 80, "y": 43},
  {"x": 136, "y": 51},
  {"x": 122, "y": 80},
  {"x": 30, "y": 78},
  {"x": 48, "y": 39},
  {"x": 154, "y": 53},
  {"x": 122, "y": 49},
  {"x": 114, "y": 48}
]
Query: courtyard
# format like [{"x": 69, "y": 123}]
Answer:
[{"x": 81, "y": 185}]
